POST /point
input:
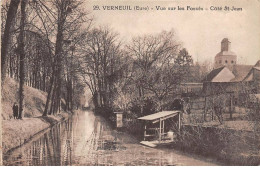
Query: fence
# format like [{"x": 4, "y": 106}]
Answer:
[{"x": 202, "y": 107}]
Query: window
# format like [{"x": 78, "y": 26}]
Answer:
[
  {"x": 232, "y": 61},
  {"x": 226, "y": 61},
  {"x": 220, "y": 61}
]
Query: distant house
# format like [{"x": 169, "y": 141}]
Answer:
[
  {"x": 222, "y": 74},
  {"x": 229, "y": 77},
  {"x": 252, "y": 79},
  {"x": 225, "y": 79}
]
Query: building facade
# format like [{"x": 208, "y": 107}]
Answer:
[
  {"x": 230, "y": 78},
  {"x": 225, "y": 57}
]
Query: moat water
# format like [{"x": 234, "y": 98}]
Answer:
[{"x": 87, "y": 139}]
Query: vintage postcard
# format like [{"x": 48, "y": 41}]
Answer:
[{"x": 130, "y": 83}]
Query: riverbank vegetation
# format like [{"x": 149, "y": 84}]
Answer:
[
  {"x": 16, "y": 132},
  {"x": 231, "y": 146}
]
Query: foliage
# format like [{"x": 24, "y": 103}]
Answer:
[
  {"x": 156, "y": 72},
  {"x": 184, "y": 59},
  {"x": 219, "y": 102},
  {"x": 104, "y": 65},
  {"x": 230, "y": 146},
  {"x": 149, "y": 107},
  {"x": 122, "y": 101}
]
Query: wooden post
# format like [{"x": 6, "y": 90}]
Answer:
[
  {"x": 163, "y": 127},
  {"x": 119, "y": 119},
  {"x": 231, "y": 106},
  {"x": 179, "y": 121},
  {"x": 205, "y": 108},
  {"x": 212, "y": 111},
  {"x": 144, "y": 131},
  {"x": 160, "y": 131}
]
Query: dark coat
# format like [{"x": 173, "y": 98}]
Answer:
[{"x": 15, "y": 110}]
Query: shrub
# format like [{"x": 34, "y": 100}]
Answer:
[
  {"x": 232, "y": 147},
  {"x": 149, "y": 107}
]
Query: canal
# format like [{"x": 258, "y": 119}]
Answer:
[{"x": 87, "y": 139}]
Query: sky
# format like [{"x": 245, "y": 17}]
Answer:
[{"x": 199, "y": 31}]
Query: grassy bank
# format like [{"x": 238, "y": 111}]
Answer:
[
  {"x": 17, "y": 132},
  {"x": 34, "y": 100},
  {"x": 233, "y": 147}
]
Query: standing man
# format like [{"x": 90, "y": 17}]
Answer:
[
  {"x": 15, "y": 110},
  {"x": 187, "y": 106}
]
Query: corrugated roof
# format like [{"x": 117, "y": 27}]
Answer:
[
  {"x": 159, "y": 115},
  {"x": 213, "y": 74}
]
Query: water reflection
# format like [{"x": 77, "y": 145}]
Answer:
[
  {"x": 86, "y": 139},
  {"x": 52, "y": 148}
]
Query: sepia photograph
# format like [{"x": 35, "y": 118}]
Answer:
[{"x": 130, "y": 83}]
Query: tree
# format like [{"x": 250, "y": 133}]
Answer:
[
  {"x": 22, "y": 58},
  {"x": 219, "y": 105},
  {"x": 183, "y": 58},
  {"x": 35, "y": 52},
  {"x": 103, "y": 65},
  {"x": 183, "y": 64},
  {"x": 6, "y": 36},
  {"x": 69, "y": 22},
  {"x": 155, "y": 71}
]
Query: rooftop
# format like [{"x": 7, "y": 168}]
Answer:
[
  {"x": 257, "y": 63},
  {"x": 160, "y": 115},
  {"x": 240, "y": 72},
  {"x": 226, "y": 53},
  {"x": 224, "y": 40},
  {"x": 213, "y": 74}
]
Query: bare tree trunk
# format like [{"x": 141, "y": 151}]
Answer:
[
  {"x": 44, "y": 81},
  {"x": 57, "y": 61},
  {"x": 53, "y": 97},
  {"x": 71, "y": 94},
  {"x": 58, "y": 53},
  {"x": 22, "y": 58},
  {"x": 49, "y": 94},
  {"x": 6, "y": 37},
  {"x": 11, "y": 67},
  {"x": 67, "y": 94}
]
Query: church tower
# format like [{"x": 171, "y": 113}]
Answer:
[{"x": 225, "y": 57}]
